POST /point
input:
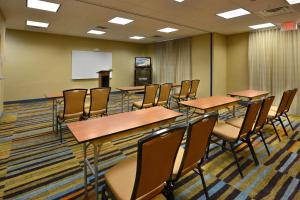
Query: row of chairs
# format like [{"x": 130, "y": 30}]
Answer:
[
  {"x": 141, "y": 177},
  {"x": 188, "y": 90},
  {"x": 258, "y": 114},
  {"x": 75, "y": 108}
]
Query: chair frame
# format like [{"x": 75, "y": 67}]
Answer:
[
  {"x": 167, "y": 104},
  {"x": 289, "y": 103},
  {"x": 233, "y": 145},
  {"x": 199, "y": 171},
  {"x": 278, "y": 115},
  {"x": 140, "y": 157},
  {"x": 145, "y": 95},
  {"x": 58, "y": 124},
  {"x": 187, "y": 95},
  {"x": 91, "y": 101},
  {"x": 195, "y": 80}
]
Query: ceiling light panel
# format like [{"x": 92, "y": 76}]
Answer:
[
  {"x": 43, "y": 5},
  {"x": 37, "y": 24},
  {"x": 167, "y": 30},
  {"x": 96, "y": 32},
  {"x": 260, "y": 26},
  {"x": 137, "y": 37},
  {"x": 120, "y": 20},
  {"x": 179, "y": 0},
  {"x": 293, "y": 1},
  {"x": 234, "y": 13}
]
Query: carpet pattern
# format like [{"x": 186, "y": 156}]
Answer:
[{"x": 35, "y": 165}]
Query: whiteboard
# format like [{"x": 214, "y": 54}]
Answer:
[{"x": 86, "y": 64}]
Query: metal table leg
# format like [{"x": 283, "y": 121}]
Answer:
[
  {"x": 85, "y": 170},
  {"x": 53, "y": 118},
  {"x": 96, "y": 168},
  {"x": 122, "y": 104},
  {"x": 187, "y": 114},
  {"x": 233, "y": 111}
]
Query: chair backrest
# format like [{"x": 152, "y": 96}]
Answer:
[
  {"x": 250, "y": 117},
  {"x": 197, "y": 138},
  {"x": 185, "y": 88},
  {"x": 150, "y": 94},
  {"x": 194, "y": 88},
  {"x": 159, "y": 147},
  {"x": 74, "y": 101},
  {"x": 290, "y": 101},
  {"x": 164, "y": 92},
  {"x": 263, "y": 113},
  {"x": 99, "y": 99},
  {"x": 283, "y": 103}
]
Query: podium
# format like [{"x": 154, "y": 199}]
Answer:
[{"x": 103, "y": 78}]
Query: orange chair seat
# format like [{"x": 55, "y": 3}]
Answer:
[
  {"x": 139, "y": 104},
  {"x": 226, "y": 131}
]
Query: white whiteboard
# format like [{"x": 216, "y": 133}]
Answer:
[{"x": 86, "y": 64}]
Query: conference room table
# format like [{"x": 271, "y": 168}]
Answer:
[
  {"x": 134, "y": 89},
  {"x": 210, "y": 104},
  {"x": 101, "y": 130},
  {"x": 249, "y": 94}
]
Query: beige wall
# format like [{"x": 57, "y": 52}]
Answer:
[
  {"x": 201, "y": 63},
  {"x": 2, "y": 42},
  {"x": 220, "y": 64},
  {"x": 237, "y": 62},
  {"x": 39, "y": 63}
]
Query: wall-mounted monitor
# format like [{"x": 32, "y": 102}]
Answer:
[{"x": 143, "y": 61}]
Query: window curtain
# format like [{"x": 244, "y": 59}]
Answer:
[
  {"x": 172, "y": 61},
  {"x": 274, "y": 63}
]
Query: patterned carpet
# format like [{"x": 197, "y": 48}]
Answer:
[{"x": 35, "y": 165}]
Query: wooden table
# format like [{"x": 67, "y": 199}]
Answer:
[
  {"x": 134, "y": 89},
  {"x": 250, "y": 94},
  {"x": 209, "y": 104},
  {"x": 100, "y": 130}
]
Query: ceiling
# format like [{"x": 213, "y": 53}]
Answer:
[{"x": 191, "y": 17}]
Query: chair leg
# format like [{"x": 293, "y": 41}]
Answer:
[
  {"x": 203, "y": 182},
  {"x": 60, "y": 132},
  {"x": 207, "y": 149},
  {"x": 276, "y": 131},
  {"x": 281, "y": 122},
  {"x": 103, "y": 197},
  {"x": 224, "y": 145},
  {"x": 263, "y": 139},
  {"x": 289, "y": 121},
  {"x": 236, "y": 160},
  {"x": 252, "y": 151},
  {"x": 168, "y": 191}
]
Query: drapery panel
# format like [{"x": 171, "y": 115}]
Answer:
[
  {"x": 172, "y": 61},
  {"x": 274, "y": 63}
]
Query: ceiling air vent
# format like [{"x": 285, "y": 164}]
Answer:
[
  {"x": 157, "y": 36},
  {"x": 101, "y": 27},
  {"x": 275, "y": 11}
]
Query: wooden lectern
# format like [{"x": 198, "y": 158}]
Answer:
[{"x": 104, "y": 78}]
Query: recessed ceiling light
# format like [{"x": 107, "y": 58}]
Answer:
[
  {"x": 234, "y": 13},
  {"x": 293, "y": 1},
  {"x": 37, "y": 24},
  {"x": 137, "y": 37},
  {"x": 179, "y": 0},
  {"x": 167, "y": 30},
  {"x": 120, "y": 20},
  {"x": 259, "y": 26},
  {"x": 96, "y": 32},
  {"x": 43, "y": 5}
]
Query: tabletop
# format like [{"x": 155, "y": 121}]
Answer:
[{"x": 92, "y": 129}]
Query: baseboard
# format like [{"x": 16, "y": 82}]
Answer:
[{"x": 40, "y": 99}]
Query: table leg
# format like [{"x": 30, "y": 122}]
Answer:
[
  {"x": 233, "y": 110},
  {"x": 96, "y": 168},
  {"x": 122, "y": 104},
  {"x": 85, "y": 170},
  {"x": 187, "y": 114},
  {"x": 53, "y": 118},
  {"x": 128, "y": 101}
]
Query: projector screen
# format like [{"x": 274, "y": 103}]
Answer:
[{"x": 86, "y": 64}]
